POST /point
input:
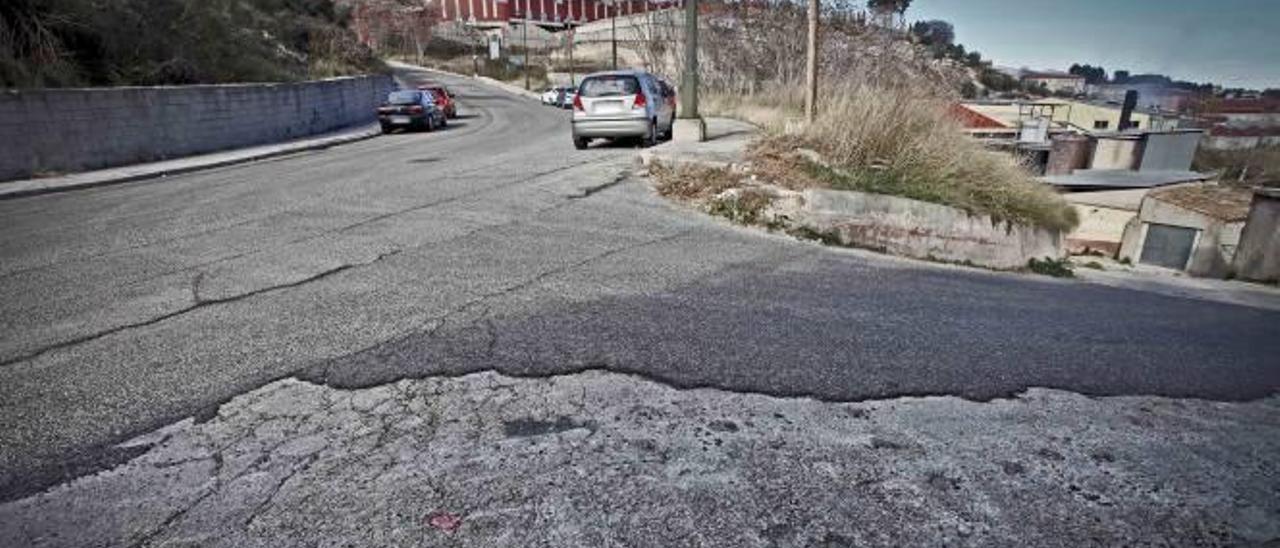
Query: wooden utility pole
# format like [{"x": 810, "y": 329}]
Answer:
[{"x": 811, "y": 65}]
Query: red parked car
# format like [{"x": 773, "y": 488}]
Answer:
[{"x": 444, "y": 99}]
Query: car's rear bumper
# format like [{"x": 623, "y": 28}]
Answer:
[
  {"x": 610, "y": 127},
  {"x": 414, "y": 119}
]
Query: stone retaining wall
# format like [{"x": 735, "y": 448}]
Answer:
[{"x": 67, "y": 130}]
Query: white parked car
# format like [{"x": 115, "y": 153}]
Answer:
[
  {"x": 623, "y": 104},
  {"x": 560, "y": 96}
]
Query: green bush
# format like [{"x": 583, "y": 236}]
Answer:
[{"x": 1058, "y": 268}]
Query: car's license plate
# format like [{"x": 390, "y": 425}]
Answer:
[
  {"x": 399, "y": 119},
  {"x": 608, "y": 107}
]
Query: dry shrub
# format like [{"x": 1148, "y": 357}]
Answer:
[
  {"x": 1248, "y": 167},
  {"x": 743, "y": 206},
  {"x": 902, "y": 143},
  {"x": 692, "y": 181}
]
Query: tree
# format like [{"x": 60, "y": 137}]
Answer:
[
  {"x": 1092, "y": 74},
  {"x": 996, "y": 80},
  {"x": 934, "y": 32},
  {"x": 1120, "y": 77},
  {"x": 886, "y": 7},
  {"x": 973, "y": 59}
]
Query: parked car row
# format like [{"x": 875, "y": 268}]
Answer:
[
  {"x": 620, "y": 104},
  {"x": 559, "y": 96},
  {"x": 427, "y": 108}
]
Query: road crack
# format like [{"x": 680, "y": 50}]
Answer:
[
  {"x": 279, "y": 485},
  {"x": 197, "y": 305}
]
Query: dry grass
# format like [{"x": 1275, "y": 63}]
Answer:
[
  {"x": 895, "y": 142},
  {"x": 692, "y": 182},
  {"x": 770, "y": 109}
]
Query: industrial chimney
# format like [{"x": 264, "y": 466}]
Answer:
[{"x": 1126, "y": 111}]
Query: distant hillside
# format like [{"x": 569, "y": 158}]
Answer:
[{"x": 60, "y": 43}]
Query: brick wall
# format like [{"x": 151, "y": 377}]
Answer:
[{"x": 66, "y": 130}]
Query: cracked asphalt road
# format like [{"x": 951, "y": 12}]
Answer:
[
  {"x": 605, "y": 459},
  {"x": 494, "y": 245}
]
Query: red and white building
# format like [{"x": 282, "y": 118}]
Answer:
[{"x": 548, "y": 12}]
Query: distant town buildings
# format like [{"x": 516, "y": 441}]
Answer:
[
  {"x": 1241, "y": 123},
  {"x": 1055, "y": 82}
]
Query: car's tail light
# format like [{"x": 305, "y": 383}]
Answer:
[
  {"x": 416, "y": 109},
  {"x": 639, "y": 102},
  {"x": 384, "y": 110},
  {"x": 577, "y": 102}
]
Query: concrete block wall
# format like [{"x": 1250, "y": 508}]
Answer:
[
  {"x": 1257, "y": 257},
  {"x": 68, "y": 130},
  {"x": 1214, "y": 247},
  {"x": 912, "y": 228}
]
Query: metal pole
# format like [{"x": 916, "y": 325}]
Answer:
[
  {"x": 613, "y": 33},
  {"x": 476, "y": 36},
  {"x": 524, "y": 28},
  {"x": 689, "y": 83},
  {"x": 811, "y": 64}
]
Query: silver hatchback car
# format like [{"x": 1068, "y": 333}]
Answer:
[{"x": 623, "y": 104}]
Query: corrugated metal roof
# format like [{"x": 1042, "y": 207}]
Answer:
[
  {"x": 1123, "y": 178},
  {"x": 973, "y": 119},
  {"x": 1219, "y": 202}
]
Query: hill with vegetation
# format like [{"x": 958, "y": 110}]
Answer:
[{"x": 63, "y": 43}]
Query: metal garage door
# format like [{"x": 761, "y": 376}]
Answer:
[{"x": 1168, "y": 246}]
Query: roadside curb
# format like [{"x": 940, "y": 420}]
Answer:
[
  {"x": 514, "y": 90},
  {"x": 140, "y": 172}
]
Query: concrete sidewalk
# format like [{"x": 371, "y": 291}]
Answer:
[
  {"x": 725, "y": 146},
  {"x": 124, "y": 174}
]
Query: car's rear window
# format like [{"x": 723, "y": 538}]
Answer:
[
  {"x": 609, "y": 86},
  {"x": 403, "y": 98}
]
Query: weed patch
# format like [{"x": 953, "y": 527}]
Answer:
[
  {"x": 692, "y": 182},
  {"x": 744, "y": 206},
  {"x": 1058, "y": 268}
]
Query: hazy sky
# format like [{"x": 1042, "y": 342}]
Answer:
[{"x": 1229, "y": 42}]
